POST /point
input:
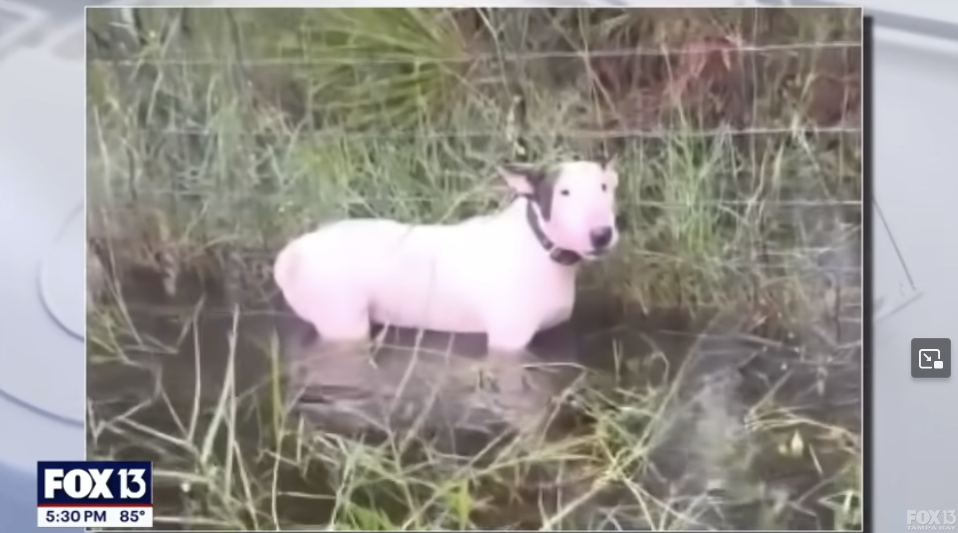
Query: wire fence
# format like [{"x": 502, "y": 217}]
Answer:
[
  {"x": 500, "y": 57},
  {"x": 797, "y": 130},
  {"x": 783, "y": 146}
]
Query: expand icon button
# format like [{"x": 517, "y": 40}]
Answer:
[{"x": 931, "y": 358}]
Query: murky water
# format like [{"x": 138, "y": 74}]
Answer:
[{"x": 755, "y": 436}]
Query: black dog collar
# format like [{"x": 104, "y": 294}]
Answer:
[{"x": 559, "y": 255}]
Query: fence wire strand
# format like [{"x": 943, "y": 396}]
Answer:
[
  {"x": 571, "y": 134},
  {"x": 503, "y": 57},
  {"x": 482, "y": 198}
]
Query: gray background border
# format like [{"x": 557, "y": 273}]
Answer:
[{"x": 916, "y": 51}]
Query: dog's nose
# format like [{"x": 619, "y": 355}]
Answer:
[{"x": 601, "y": 237}]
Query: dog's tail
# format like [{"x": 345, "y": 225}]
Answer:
[{"x": 284, "y": 269}]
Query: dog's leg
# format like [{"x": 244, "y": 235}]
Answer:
[
  {"x": 507, "y": 352},
  {"x": 343, "y": 328}
]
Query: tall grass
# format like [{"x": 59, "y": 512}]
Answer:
[{"x": 215, "y": 135}]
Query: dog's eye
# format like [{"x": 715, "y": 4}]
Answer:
[
  {"x": 605, "y": 187},
  {"x": 564, "y": 192}
]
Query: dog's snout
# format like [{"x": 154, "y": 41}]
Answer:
[{"x": 601, "y": 237}]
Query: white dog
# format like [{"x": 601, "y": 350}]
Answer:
[{"x": 508, "y": 274}]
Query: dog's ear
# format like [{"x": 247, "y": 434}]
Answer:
[
  {"x": 607, "y": 161},
  {"x": 524, "y": 179}
]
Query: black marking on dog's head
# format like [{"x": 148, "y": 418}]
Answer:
[
  {"x": 543, "y": 192},
  {"x": 541, "y": 181}
]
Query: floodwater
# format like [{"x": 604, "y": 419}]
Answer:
[
  {"x": 756, "y": 423},
  {"x": 727, "y": 368}
]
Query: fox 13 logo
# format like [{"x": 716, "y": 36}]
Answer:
[
  {"x": 932, "y": 520},
  {"x": 95, "y": 494}
]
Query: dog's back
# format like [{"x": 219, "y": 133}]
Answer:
[{"x": 406, "y": 275}]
